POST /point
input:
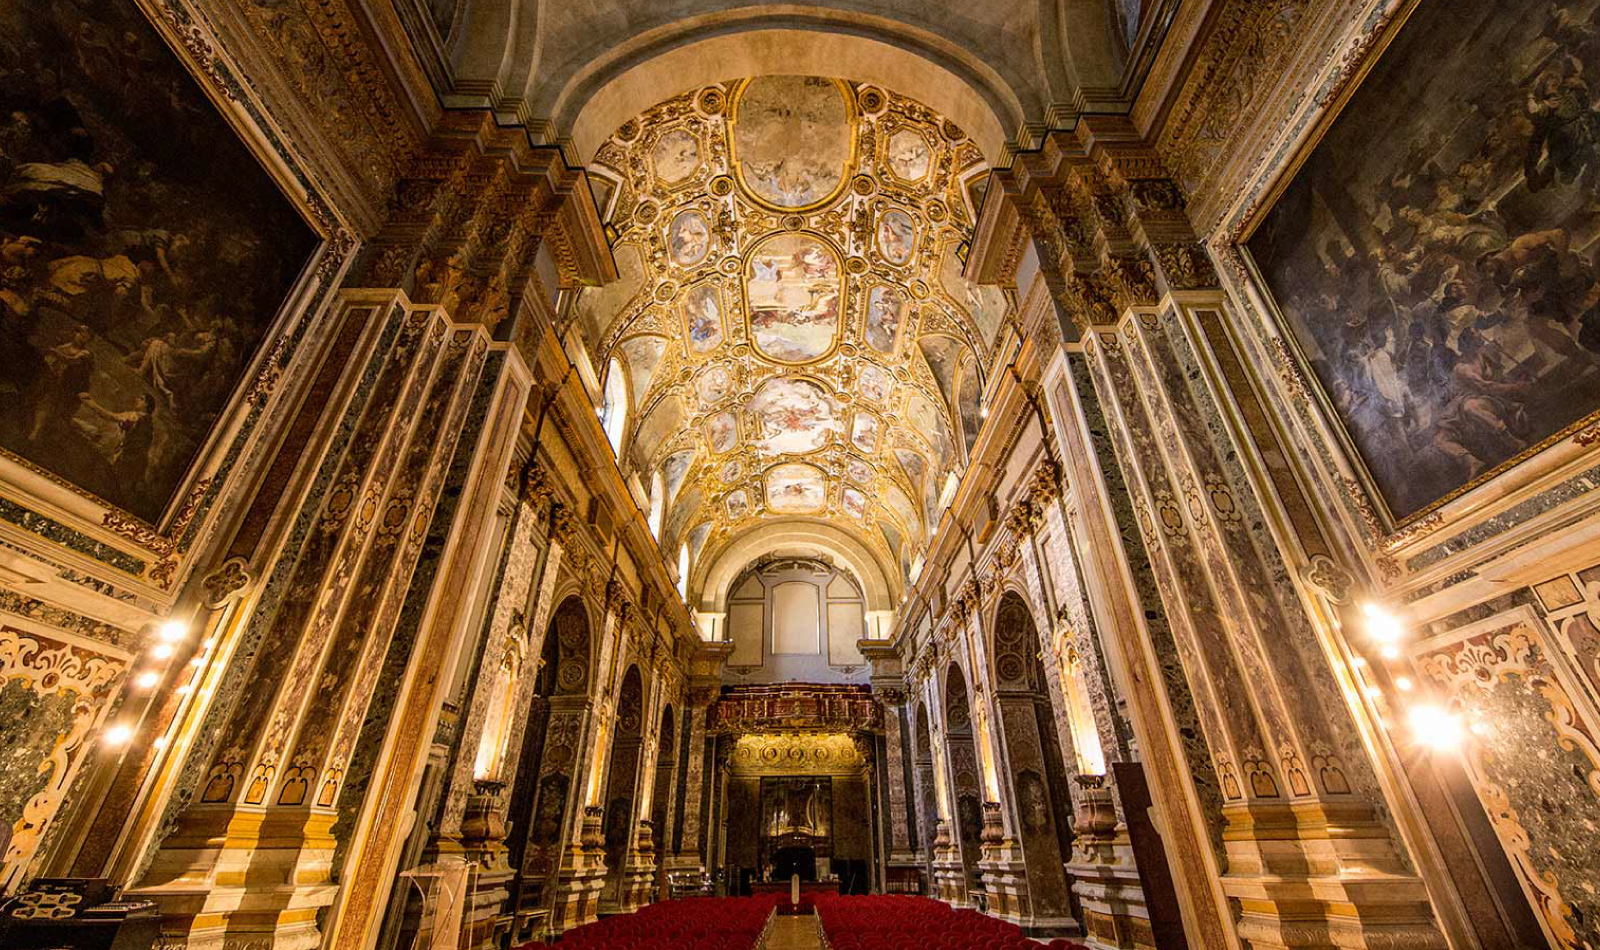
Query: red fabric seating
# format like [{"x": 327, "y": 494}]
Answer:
[
  {"x": 904, "y": 922},
  {"x": 692, "y": 923}
]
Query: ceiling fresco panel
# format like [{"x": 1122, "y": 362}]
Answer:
[
  {"x": 791, "y": 289},
  {"x": 793, "y": 139}
]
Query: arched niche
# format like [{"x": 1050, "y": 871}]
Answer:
[
  {"x": 543, "y": 804},
  {"x": 966, "y": 777},
  {"x": 622, "y": 781},
  {"x": 1034, "y": 774}
]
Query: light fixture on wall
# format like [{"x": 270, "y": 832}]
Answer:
[
  {"x": 1382, "y": 626},
  {"x": 117, "y": 735},
  {"x": 1435, "y": 727},
  {"x": 147, "y": 679}
]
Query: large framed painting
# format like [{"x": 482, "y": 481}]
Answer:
[
  {"x": 144, "y": 253},
  {"x": 1433, "y": 257}
]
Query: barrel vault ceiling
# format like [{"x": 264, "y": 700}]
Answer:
[{"x": 791, "y": 322}]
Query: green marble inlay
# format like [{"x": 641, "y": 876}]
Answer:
[
  {"x": 53, "y": 530},
  {"x": 30, "y": 725}
]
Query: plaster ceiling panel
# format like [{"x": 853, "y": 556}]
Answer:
[
  {"x": 792, "y": 291},
  {"x": 943, "y": 355},
  {"x": 794, "y": 416},
  {"x": 599, "y": 307},
  {"x": 788, "y": 240},
  {"x": 643, "y": 355},
  {"x": 796, "y": 488},
  {"x": 673, "y": 471}
]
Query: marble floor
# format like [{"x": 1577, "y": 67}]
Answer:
[{"x": 794, "y": 933}]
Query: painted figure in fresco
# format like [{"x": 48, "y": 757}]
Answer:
[
  {"x": 792, "y": 136},
  {"x": 897, "y": 236},
  {"x": 691, "y": 238},
  {"x": 883, "y": 318},
  {"x": 794, "y": 298},
  {"x": 1443, "y": 276},
  {"x": 70, "y": 366},
  {"x": 704, "y": 318},
  {"x": 126, "y": 436}
]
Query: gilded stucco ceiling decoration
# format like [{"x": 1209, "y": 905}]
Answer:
[{"x": 796, "y": 335}]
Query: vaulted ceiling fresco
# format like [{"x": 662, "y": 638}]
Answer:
[{"x": 796, "y": 335}]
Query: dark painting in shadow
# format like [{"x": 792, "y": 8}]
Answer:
[
  {"x": 144, "y": 252},
  {"x": 1435, "y": 256}
]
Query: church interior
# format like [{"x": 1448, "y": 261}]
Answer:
[{"x": 867, "y": 475}]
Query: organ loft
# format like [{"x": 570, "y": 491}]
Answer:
[{"x": 1066, "y": 474}]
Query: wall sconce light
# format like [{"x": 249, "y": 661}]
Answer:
[
  {"x": 1382, "y": 626},
  {"x": 172, "y": 631},
  {"x": 1434, "y": 727},
  {"x": 147, "y": 679},
  {"x": 118, "y": 735}
]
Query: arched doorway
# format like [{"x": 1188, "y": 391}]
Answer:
[
  {"x": 965, "y": 780},
  {"x": 541, "y": 809},
  {"x": 1032, "y": 759},
  {"x": 664, "y": 797},
  {"x": 927, "y": 791},
  {"x": 622, "y": 781}
]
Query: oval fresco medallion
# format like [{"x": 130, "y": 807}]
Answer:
[
  {"x": 702, "y": 318},
  {"x": 796, "y": 487},
  {"x": 675, "y": 156},
  {"x": 897, "y": 236},
  {"x": 795, "y": 416},
  {"x": 909, "y": 157},
  {"x": 793, "y": 287},
  {"x": 793, "y": 141},
  {"x": 713, "y": 386},
  {"x": 858, "y": 471},
  {"x": 689, "y": 238},
  {"x": 887, "y": 309},
  {"x": 722, "y": 431},
  {"x": 738, "y": 504},
  {"x": 876, "y": 383}
]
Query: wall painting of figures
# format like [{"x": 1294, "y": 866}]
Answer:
[
  {"x": 1434, "y": 257},
  {"x": 144, "y": 252}
]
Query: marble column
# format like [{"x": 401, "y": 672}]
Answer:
[
  {"x": 270, "y": 776},
  {"x": 690, "y": 855},
  {"x": 1307, "y": 859}
]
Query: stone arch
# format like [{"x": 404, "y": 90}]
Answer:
[
  {"x": 622, "y": 781},
  {"x": 966, "y": 773},
  {"x": 712, "y": 579},
  {"x": 574, "y": 634},
  {"x": 632, "y": 78},
  {"x": 575, "y": 74},
  {"x": 1014, "y": 644}
]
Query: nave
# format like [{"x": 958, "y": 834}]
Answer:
[
  {"x": 486, "y": 473},
  {"x": 816, "y": 921}
]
